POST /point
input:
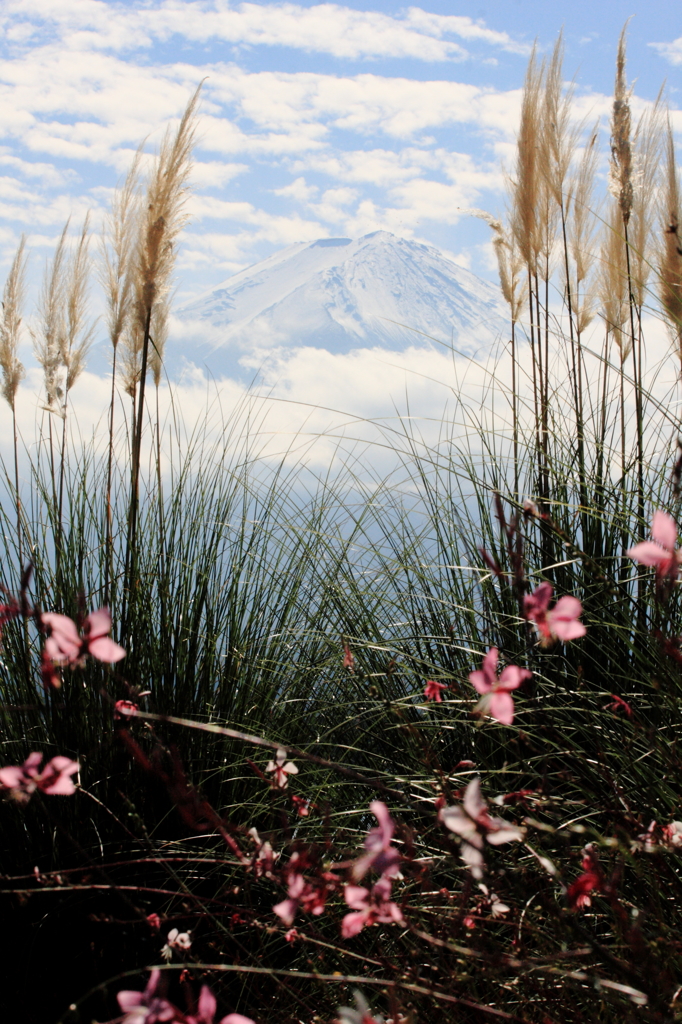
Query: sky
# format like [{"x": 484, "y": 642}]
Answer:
[{"x": 317, "y": 120}]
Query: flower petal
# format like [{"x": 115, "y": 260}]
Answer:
[
  {"x": 104, "y": 649},
  {"x": 648, "y": 553},
  {"x": 512, "y": 676},
  {"x": 664, "y": 530},
  {"x": 97, "y": 623},
  {"x": 480, "y": 681},
  {"x": 353, "y": 924},
  {"x": 502, "y": 707},
  {"x": 382, "y": 814},
  {"x": 474, "y": 804}
]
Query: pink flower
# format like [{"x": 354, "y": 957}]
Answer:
[
  {"x": 497, "y": 701},
  {"x": 206, "y": 1010},
  {"x": 301, "y": 805},
  {"x": 65, "y": 646},
  {"x": 124, "y": 709},
  {"x": 279, "y": 768},
  {"x": 619, "y": 705},
  {"x": 262, "y": 860},
  {"x": 176, "y": 940},
  {"x": 154, "y": 922},
  {"x": 8, "y": 612},
  {"x": 578, "y": 893},
  {"x": 380, "y": 855},
  {"x": 302, "y": 895},
  {"x": 660, "y": 552},
  {"x": 146, "y": 1007},
  {"x": 672, "y": 834},
  {"x": 310, "y": 897},
  {"x": 362, "y": 1013},
  {"x": 432, "y": 690},
  {"x": 475, "y": 827},
  {"x": 348, "y": 659},
  {"x": 370, "y": 907},
  {"x": 22, "y": 781},
  {"x": 561, "y": 623},
  {"x": 49, "y": 674}
]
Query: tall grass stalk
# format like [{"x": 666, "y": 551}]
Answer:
[{"x": 160, "y": 226}]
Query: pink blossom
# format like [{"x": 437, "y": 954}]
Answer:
[
  {"x": 362, "y": 1013},
  {"x": 619, "y": 705},
  {"x": 146, "y": 1007},
  {"x": 65, "y": 646},
  {"x": 279, "y": 768},
  {"x": 176, "y": 940},
  {"x": 302, "y": 895},
  {"x": 578, "y": 893},
  {"x": 432, "y": 690},
  {"x": 370, "y": 906},
  {"x": 497, "y": 701},
  {"x": 206, "y": 1011},
  {"x": 561, "y": 623},
  {"x": 660, "y": 552},
  {"x": 124, "y": 709},
  {"x": 672, "y": 834},
  {"x": 262, "y": 860},
  {"x": 49, "y": 674},
  {"x": 493, "y": 902},
  {"x": 310, "y": 897},
  {"x": 301, "y": 805},
  {"x": 8, "y": 612},
  {"x": 348, "y": 659},
  {"x": 22, "y": 781},
  {"x": 381, "y": 856},
  {"x": 154, "y": 922},
  {"x": 472, "y": 823}
]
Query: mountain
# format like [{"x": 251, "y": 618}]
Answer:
[{"x": 342, "y": 294}]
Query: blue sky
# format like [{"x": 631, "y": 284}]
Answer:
[{"x": 317, "y": 119}]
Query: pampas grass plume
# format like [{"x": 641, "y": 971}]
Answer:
[{"x": 12, "y": 300}]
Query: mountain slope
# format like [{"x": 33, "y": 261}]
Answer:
[{"x": 340, "y": 294}]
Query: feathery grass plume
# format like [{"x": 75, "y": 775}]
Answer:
[
  {"x": 74, "y": 341},
  {"x": 164, "y": 217},
  {"x": 161, "y": 222},
  {"x": 527, "y": 204},
  {"x": 581, "y": 229},
  {"x": 515, "y": 292},
  {"x": 116, "y": 271},
  {"x": 670, "y": 246},
  {"x": 77, "y": 337},
  {"x": 117, "y": 248},
  {"x": 12, "y": 300},
  {"x": 620, "y": 172},
  {"x": 47, "y": 340},
  {"x": 159, "y": 335},
  {"x": 509, "y": 264},
  {"x": 129, "y": 364},
  {"x": 612, "y": 281},
  {"x": 558, "y": 139},
  {"x": 525, "y": 184},
  {"x": 12, "y": 369},
  {"x": 647, "y": 152}
]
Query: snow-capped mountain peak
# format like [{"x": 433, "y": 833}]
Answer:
[{"x": 343, "y": 293}]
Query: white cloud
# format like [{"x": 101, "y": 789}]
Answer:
[
  {"x": 672, "y": 51},
  {"x": 342, "y": 32}
]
